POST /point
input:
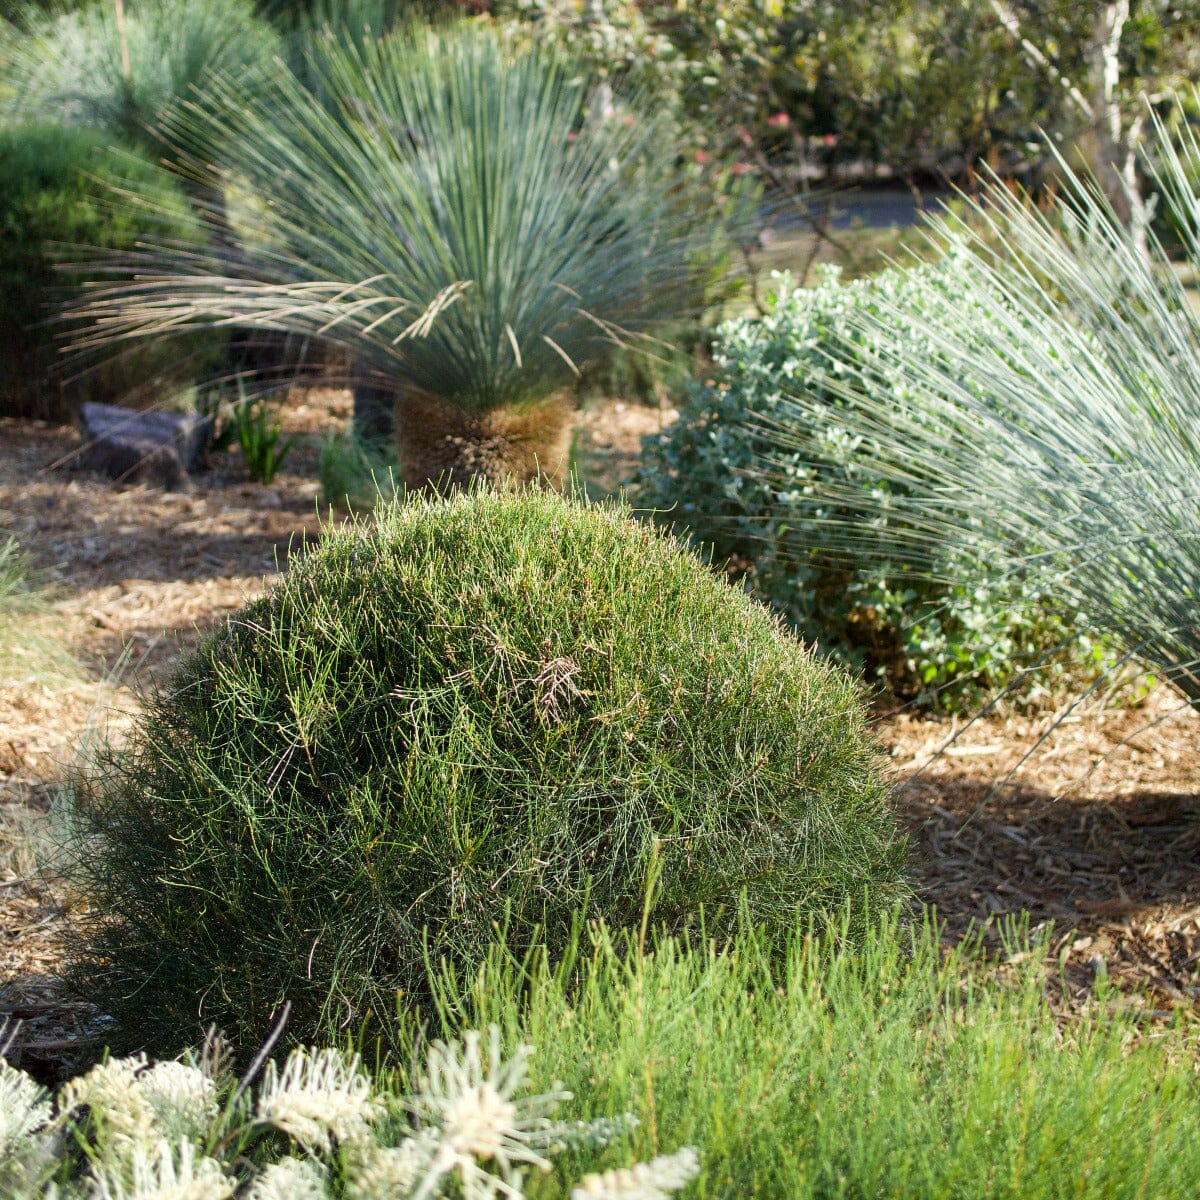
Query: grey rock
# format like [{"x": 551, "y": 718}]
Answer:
[{"x": 155, "y": 448}]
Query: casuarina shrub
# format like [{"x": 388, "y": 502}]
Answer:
[{"x": 475, "y": 717}]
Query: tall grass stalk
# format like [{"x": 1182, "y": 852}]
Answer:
[
  {"x": 1045, "y": 416},
  {"x": 894, "y": 1071}
]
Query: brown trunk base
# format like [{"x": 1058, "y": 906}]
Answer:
[{"x": 442, "y": 448}]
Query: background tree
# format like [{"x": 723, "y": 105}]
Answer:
[{"x": 1112, "y": 60}]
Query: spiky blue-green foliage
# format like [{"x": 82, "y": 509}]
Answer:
[
  {"x": 461, "y": 219},
  {"x": 481, "y": 713},
  {"x": 1043, "y": 418},
  {"x": 84, "y": 66}
]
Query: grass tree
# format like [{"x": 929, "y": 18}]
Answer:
[
  {"x": 452, "y": 212},
  {"x": 1045, "y": 415}
]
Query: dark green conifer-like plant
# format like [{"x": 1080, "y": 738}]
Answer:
[{"x": 494, "y": 711}]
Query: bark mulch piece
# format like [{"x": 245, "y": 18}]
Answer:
[{"x": 1095, "y": 840}]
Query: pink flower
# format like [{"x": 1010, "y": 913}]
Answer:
[
  {"x": 830, "y": 139},
  {"x": 701, "y": 156},
  {"x": 741, "y": 168},
  {"x": 572, "y": 136},
  {"x": 779, "y": 120}
]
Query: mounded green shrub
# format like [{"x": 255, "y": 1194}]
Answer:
[
  {"x": 752, "y": 484},
  {"x": 56, "y": 192},
  {"x": 490, "y": 711}
]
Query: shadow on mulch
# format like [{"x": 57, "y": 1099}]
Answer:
[{"x": 1114, "y": 880}]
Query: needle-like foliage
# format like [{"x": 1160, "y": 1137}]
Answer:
[
  {"x": 1044, "y": 416},
  {"x": 482, "y": 714},
  {"x": 450, "y": 209}
]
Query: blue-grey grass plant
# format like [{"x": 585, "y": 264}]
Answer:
[
  {"x": 123, "y": 68},
  {"x": 1042, "y": 417}
]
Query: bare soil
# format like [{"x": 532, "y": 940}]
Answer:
[{"x": 1092, "y": 834}]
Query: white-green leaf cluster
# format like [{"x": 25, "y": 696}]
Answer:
[
  {"x": 775, "y": 492},
  {"x": 318, "y": 1126}
]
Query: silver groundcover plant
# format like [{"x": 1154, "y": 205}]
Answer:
[{"x": 184, "y": 1131}]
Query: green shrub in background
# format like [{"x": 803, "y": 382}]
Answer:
[
  {"x": 723, "y": 473},
  {"x": 488, "y": 712},
  {"x": 56, "y": 193},
  {"x": 357, "y": 473}
]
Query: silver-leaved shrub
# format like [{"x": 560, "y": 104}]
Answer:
[
  {"x": 752, "y": 485},
  {"x": 315, "y": 1127}
]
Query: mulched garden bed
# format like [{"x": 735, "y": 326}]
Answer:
[{"x": 1096, "y": 837}]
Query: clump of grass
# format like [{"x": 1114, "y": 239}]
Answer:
[
  {"x": 259, "y": 430},
  {"x": 357, "y": 473},
  {"x": 476, "y": 717},
  {"x": 899, "y": 1070},
  {"x": 12, "y": 573}
]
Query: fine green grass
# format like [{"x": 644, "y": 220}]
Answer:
[{"x": 895, "y": 1070}]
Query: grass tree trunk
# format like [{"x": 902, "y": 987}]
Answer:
[
  {"x": 256, "y": 354},
  {"x": 442, "y": 447},
  {"x": 374, "y": 409}
]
